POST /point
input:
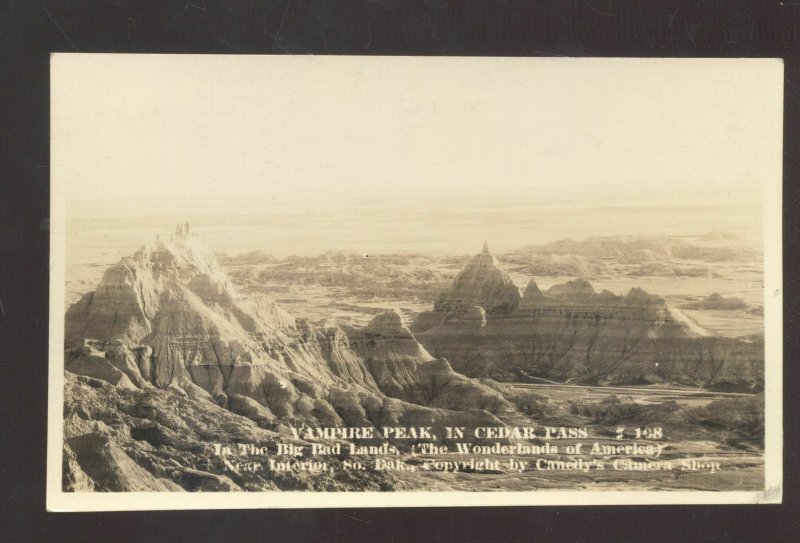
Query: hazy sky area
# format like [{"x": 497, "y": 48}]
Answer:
[{"x": 374, "y": 153}]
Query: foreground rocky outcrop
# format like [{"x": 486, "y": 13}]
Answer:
[
  {"x": 167, "y": 321},
  {"x": 118, "y": 439},
  {"x": 573, "y": 333},
  {"x": 129, "y": 439}
]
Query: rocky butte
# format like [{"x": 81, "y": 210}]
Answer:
[{"x": 571, "y": 333}]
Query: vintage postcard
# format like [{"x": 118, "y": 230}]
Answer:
[{"x": 301, "y": 281}]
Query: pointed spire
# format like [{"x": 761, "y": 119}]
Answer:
[
  {"x": 485, "y": 249},
  {"x": 182, "y": 230}
]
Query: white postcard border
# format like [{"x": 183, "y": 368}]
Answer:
[{"x": 60, "y": 501}]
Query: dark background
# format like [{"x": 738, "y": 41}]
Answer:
[{"x": 31, "y": 29}]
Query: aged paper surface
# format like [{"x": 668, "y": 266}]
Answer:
[{"x": 393, "y": 281}]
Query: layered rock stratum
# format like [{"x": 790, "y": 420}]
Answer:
[
  {"x": 168, "y": 317},
  {"x": 166, "y": 357},
  {"x": 167, "y": 320},
  {"x": 483, "y": 283},
  {"x": 571, "y": 333}
]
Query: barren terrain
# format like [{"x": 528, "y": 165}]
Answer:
[{"x": 712, "y": 284}]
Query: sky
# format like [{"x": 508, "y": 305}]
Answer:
[{"x": 381, "y": 144}]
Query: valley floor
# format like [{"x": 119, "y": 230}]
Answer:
[
  {"x": 740, "y": 465},
  {"x": 736, "y": 458}
]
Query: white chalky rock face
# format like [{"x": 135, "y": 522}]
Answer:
[{"x": 168, "y": 317}]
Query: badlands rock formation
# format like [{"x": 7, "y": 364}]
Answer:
[
  {"x": 166, "y": 325},
  {"x": 572, "y": 333},
  {"x": 168, "y": 317},
  {"x": 480, "y": 283},
  {"x": 402, "y": 368},
  {"x": 118, "y": 439}
]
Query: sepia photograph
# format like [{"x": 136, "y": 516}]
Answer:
[{"x": 329, "y": 281}]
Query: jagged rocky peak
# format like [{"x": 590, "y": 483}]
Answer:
[
  {"x": 533, "y": 297},
  {"x": 132, "y": 292},
  {"x": 168, "y": 318},
  {"x": 532, "y": 292},
  {"x": 484, "y": 283},
  {"x": 571, "y": 332},
  {"x": 181, "y": 257},
  {"x": 190, "y": 253},
  {"x": 182, "y": 230}
]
